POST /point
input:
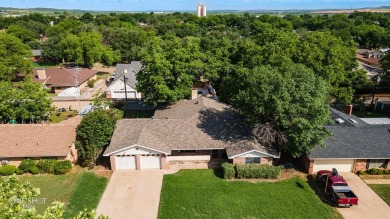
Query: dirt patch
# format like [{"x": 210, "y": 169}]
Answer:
[
  {"x": 103, "y": 173},
  {"x": 284, "y": 175}
]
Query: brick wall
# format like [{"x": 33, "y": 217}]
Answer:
[
  {"x": 360, "y": 164},
  {"x": 239, "y": 160},
  {"x": 263, "y": 160},
  {"x": 306, "y": 164},
  {"x": 112, "y": 162}
]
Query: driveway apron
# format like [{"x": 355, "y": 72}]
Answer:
[
  {"x": 370, "y": 204},
  {"x": 132, "y": 194}
]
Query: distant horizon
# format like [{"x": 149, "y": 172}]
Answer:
[{"x": 190, "y": 5}]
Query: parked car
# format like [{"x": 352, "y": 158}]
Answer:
[{"x": 337, "y": 188}]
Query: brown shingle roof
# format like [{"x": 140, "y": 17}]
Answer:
[
  {"x": 33, "y": 140},
  {"x": 64, "y": 76},
  {"x": 203, "y": 123}
]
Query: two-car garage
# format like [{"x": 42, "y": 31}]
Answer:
[
  {"x": 135, "y": 158},
  {"x": 342, "y": 165}
]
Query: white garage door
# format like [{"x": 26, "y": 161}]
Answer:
[
  {"x": 125, "y": 162},
  {"x": 150, "y": 162},
  {"x": 340, "y": 165}
]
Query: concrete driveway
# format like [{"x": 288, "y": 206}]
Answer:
[
  {"x": 370, "y": 204},
  {"x": 132, "y": 194}
]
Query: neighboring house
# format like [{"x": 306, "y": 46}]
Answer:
[
  {"x": 202, "y": 87},
  {"x": 190, "y": 132},
  {"x": 382, "y": 107},
  {"x": 37, "y": 141},
  {"x": 123, "y": 72},
  {"x": 37, "y": 55},
  {"x": 354, "y": 145},
  {"x": 59, "y": 79}
]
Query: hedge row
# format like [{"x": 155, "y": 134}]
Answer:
[
  {"x": 58, "y": 167},
  {"x": 250, "y": 171},
  {"x": 374, "y": 171}
]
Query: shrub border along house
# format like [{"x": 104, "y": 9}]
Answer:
[
  {"x": 263, "y": 171},
  {"x": 374, "y": 171},
  {"x": 51, "y": 166}
]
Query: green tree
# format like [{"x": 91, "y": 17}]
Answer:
[
  {"x": 87, "y": 17},
  {"x": 94, "y": 133},
  {"x": 14, "y": 57},
  {"x": 291, "y": 100},
  {"x": 21, "y": 32}
]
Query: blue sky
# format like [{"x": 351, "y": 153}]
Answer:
[{"x": 168, "y": 5}]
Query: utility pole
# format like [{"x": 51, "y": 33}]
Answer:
[
  {"x": 124, "y": 81},
  {"x": 76, "y": 84}
]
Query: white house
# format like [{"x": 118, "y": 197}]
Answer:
[{"x": 124, "y": 72}]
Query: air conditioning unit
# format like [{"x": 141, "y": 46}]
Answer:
[{"x": 3, "y": 162}]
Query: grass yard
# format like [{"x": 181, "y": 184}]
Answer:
[
  {"x": 103, "y": 75},
  {"x": 202, "y": 194},
  {"x": 368, "y": 114},
  {"x": 45, "y": 64},
  {"x": 383, "y": 190},
  {"x": 87, "y": 194},
  {"x": 54, "y": 118},
  {"x": 77, "y": 190}
]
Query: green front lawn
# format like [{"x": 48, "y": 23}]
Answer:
[
  {"x": 201, "y": 194},
  {"x": 87, "y": 194},
  {"x": 57, "y": 117},
  {"x": 383, "y": 190},
  {"x": 103, "y": 75},
  {"x": 77, "y": 190}
]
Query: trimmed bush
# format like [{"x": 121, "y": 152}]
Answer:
[
  {"x": 35, "y": 170},
  {"x": 7, "y": 170},
  {"x": 62, "y": 167},
  {"x": 228, "y": 171},
  {"x": 26, "y": 165},
  {"x": 19, "y": 171},
  {"x": 376, "y": 171},
  {"x": 47, "y": 165},
  {"x": 258, "y": 171}
]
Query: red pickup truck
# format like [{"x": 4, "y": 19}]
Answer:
[{"x": 337, "y": 188}]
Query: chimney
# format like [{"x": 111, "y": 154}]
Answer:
[
  {"x": 41, "y": 74},
  {"x": 348, "y": 109}
]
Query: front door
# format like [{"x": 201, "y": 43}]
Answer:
[{"x": 215, "y": 154}]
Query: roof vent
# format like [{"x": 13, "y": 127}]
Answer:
[
  {"x": 353, "y": 121},
  {"x": 339, "y": 120}
]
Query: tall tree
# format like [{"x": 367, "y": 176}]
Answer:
[
  {"x": 291, "y": 100},
  {"x": 14, "y": 57}
]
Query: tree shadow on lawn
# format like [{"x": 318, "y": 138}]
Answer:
[
  {"x": 319, "y": 190},
  {"x": 218, "y": 173}
]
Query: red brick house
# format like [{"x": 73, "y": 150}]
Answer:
[
  {"x": 37, "y": 141},
  {"x": 354, "y": 145},
  {"x": 198, "y": 133}
]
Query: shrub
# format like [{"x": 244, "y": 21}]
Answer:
[
  {"x": 7, "y": 170},
  {"x": 386, "y": 171},
  {"x": 26, "y": 165},
  {"x": 228, "y": 171},
  {"x": 375, "y": 171},
  {"x": 19, "y": 171},
  {"x": 91, "y": 83},
  {"x": 62, "y": 167},
  {"x": 35, "y": 170},
  {"x": 258, "y": 171},
  {"x": 47, "y": 165}
]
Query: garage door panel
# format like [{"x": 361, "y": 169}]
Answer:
[
  {"x": 125, "y": 163},
  {"x": 340, "y": 165},
  {"x": 150, "y": 162}
]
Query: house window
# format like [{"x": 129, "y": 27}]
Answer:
[
  {"x": 250, "y": 160},
  {"x": 376, "y": 163}
]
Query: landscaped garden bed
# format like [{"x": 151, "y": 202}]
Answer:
[{"x": 203, "y": 194}]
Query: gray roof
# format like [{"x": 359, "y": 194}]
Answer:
[
  {"x": 348, "y": 119},
  {"x": 355, "y": 142},
  {"x": 132, "y": 70},
  {"x": 203, "y": 123}
]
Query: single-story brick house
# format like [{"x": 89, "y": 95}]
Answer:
[
  {"x": 354, "y": 145},
  {"x": 37, "y": 141},
  {"x": 59, "y": 79},
  {"x": 190, "y": 132}
]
